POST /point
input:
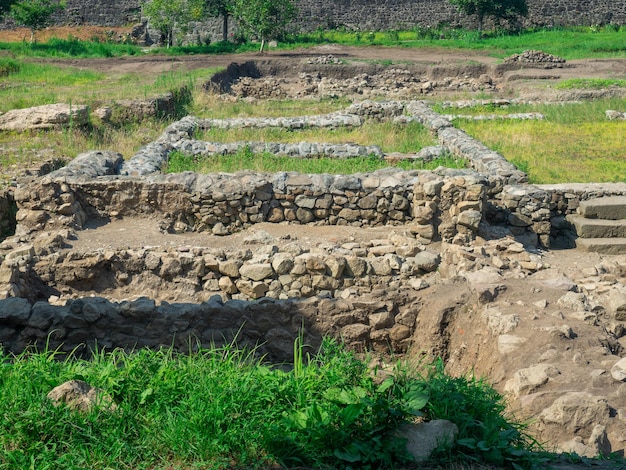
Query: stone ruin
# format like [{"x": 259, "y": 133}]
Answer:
[{"x": 441, "y": 277}]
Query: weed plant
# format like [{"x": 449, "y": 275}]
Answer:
[{"x": 225, "y": 408}]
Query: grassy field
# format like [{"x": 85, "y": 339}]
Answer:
[
  {"x": 224, "y": 408},
  {"x": 569, "y": 43},
  {"x": 583, "y": 150},
  {"x": 390, "y": 137},
  {"x": 575, "y": 143}
]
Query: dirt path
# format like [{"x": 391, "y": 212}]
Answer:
[{"x": 539, "y": 76}]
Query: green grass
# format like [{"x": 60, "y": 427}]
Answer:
[
  {"x": 33, "y": 84},
  {"x": 266, "y": 162},
  {"x": 225, "y": 408},
  {"x": 390, "y": 137},
  {"x": 575, "y": 142},
  {"x": 569, "y": 43},
  {"x": 209, "y": 106},
  {"x": 70, "y": 47},
  {"x": 590, "y": 83}
]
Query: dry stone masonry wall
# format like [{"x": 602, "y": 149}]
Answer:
[
  {"x": 440, "y": 204},
  {"x": 489, "y": 199},
  {"x": 366, "y": 15}
]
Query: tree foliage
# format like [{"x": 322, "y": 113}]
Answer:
[
  {"x": 499, "y": 9},
  {"x": 264, "y": 19},
  {"x": 5, "y": 7},
  {"x": 34, "y": 14},
  {"x": 166, "y": 16}
]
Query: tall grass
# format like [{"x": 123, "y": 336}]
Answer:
[
  {"x": 225, "y": 408},
  {"x": 208, "y": 105},
  {"x": 70, "y": 47},
  {"x": 28, "y": 84}
]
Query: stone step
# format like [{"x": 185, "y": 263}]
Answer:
[
  {"x": 611, "y": 208},
  {"x": 607, "y": 246},
  {"x": 598, "y": 228}
]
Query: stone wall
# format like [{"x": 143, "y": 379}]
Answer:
[
  {"x": 362, "y": 15},
  {"x": 85, "y": 324},
  {"x": 445, "y": 204},
  {"x": 367, "y": 15},
  {"x": 489, "y": 199}
]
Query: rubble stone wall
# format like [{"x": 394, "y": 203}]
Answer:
[
  {"x": 444, "y": 204},
  {"x": 367, "y": 15},
  {"x": 95, "y": 322}
]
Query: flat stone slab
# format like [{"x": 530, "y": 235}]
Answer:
[
  {"x": 598, "y": 228},
  {"x": 44, "y": 117},
  {"x": 612, "y": 208},
  {"x": 607, "y": 246}
]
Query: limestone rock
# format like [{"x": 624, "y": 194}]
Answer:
[
  {"x": 617, "y": 305},
  {"x": 618, "y": 371},
  {"x": 576, "y": 410},
  {"x": 424, "y": 438},
  {"x": 256, "y": 272},
  {"x": 597, "y": 444},
  {"x": 44, "y": 117},
  {"x": 530, "y": 379},
  {"x": 80, "y": 396}
]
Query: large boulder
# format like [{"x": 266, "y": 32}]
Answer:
[{"x": 47, "y": 116}]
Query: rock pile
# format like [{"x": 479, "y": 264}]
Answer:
[
  {"x": 266, "y": 88},
  {"x": 324, "y": 60},
  {"x": 389, "y": 82},
  {"x": 530, "y": 56}
]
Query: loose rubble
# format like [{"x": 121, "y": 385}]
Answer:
[{"x": 530, "y": 56}]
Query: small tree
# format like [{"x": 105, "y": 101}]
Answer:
[
  {"x": 221, "y": 8},
  {"x": 499, "y": 9},
  {"x": 166, "y": 16},
  {"x": 265, "y": 19},
  {"x": 34, "y": 14}
]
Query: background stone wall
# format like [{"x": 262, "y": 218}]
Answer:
[{"x": 368, "y": 14}]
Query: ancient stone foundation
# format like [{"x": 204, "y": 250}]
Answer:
[{"x": 490, "y": 199}]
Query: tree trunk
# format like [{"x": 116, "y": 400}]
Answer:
[
  {"x": 262, "y": 44},
  {"x": 32, "y": 36},
  {"x": 480, "y": 25},
  {"x": 225, "y": 27}
]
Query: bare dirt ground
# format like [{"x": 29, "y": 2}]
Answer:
[{"x": 517, "y": 80}]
